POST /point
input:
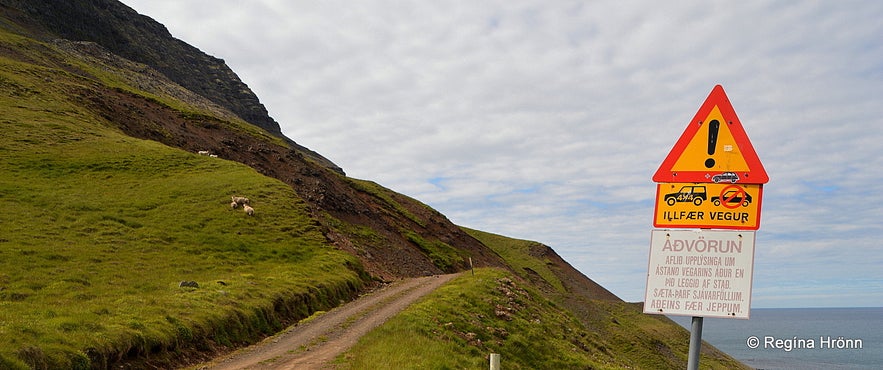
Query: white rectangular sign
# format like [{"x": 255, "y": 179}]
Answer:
[{"x": 704, "y": 273}]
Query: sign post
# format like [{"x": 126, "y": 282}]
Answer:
[
  {"x": 708, "y": 200},
  {"x": 695, "y": 343}
]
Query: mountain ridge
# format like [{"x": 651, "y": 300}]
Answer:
[{"x": 125, "y": 32}]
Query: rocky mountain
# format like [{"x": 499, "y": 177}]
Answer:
[
  {"x": 139, "y": 38},
  {"x": 105, "y": 116},
  {"x": 108, "y": 33}
]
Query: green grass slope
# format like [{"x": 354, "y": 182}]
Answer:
[
  {"x": 460, "y": 324},
  {"x": 99, "y": 229},
  {"x": 530, "y": 325}
]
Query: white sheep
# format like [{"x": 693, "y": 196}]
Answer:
[
  {"x": 248, "y": 210},
  {"x": 239, "y": 200},
  {"x": 213, "y": 155},
  {"x": 203, "y": 152},
  {"x": 234, "y": 205}
]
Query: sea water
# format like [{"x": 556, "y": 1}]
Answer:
[{"x": 800, "y": 338}]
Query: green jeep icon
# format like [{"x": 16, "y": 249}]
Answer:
[{"x": 692, "y": 193}]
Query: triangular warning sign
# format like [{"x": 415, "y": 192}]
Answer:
[{"x": 713, "y": 148}]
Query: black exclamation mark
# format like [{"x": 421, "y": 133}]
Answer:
[{"x": 713, "y": 128}]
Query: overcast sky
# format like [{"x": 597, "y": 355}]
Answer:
[{"x": 545, "y": 120}]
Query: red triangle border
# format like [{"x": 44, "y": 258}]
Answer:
[{"x": 756, "y": 174}]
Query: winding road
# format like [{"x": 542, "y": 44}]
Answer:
[{"x": 316, "y": 343}]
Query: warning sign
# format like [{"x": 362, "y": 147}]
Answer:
[
  {"x": 704, "y": 273},
  {"x": 708, "y": 206},
  {"x": 714, "y": 148}
]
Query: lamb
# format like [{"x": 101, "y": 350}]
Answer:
[
  {"x": 239, "y": 200},
  {"x": 234, "y": 205},
  {"x": 248, "y": 210}
]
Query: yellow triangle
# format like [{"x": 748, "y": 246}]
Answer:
[{"x": 726, "y": 156}]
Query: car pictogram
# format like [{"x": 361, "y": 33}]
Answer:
[
  {"x": 731, "y": 177},
  {"x": 695, "y": 194},
  {"x": 733, "y": 197}
]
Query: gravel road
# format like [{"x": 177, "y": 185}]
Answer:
[{"x": 315, "y": 344}]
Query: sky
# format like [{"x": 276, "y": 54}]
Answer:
[{"x": 546, "y": 120}]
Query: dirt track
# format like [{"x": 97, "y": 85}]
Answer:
[{"x": 315, "y": 344}]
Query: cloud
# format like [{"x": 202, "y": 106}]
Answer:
[{"x": 546, "y": 120}]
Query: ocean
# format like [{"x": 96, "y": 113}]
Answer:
[{"x": 799, "y": 338}]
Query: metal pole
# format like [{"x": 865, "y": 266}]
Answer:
[{"x": 695, "y": 343}]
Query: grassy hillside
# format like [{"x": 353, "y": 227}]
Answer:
[
  {"x": 99, "y": 229},
  {"x": 496, "y": 311},
  {"x": 457, "y": 326},
  {"x": 636, "y": 339}
]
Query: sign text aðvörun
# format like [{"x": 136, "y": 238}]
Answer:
[{"x": 700, "y": 273}]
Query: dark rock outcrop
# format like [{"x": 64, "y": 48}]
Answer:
[{"x": 139, "y": 38}]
